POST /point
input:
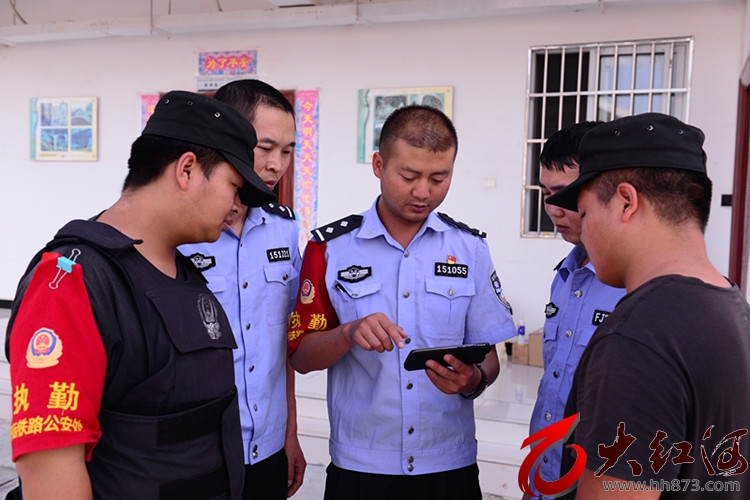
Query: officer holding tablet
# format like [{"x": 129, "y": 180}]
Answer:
[{"x": 378, "y": 285}]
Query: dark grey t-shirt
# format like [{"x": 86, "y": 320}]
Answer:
[{"x": 670, "y": 367}]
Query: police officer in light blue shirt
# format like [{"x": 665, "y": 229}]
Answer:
[
  {"x": 253, "y": 270},
  {"x": 376, "y": 286},
  {"x": 579, "y": 302}
]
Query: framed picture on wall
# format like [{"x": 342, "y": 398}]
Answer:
[
  {"x": 375, "y": 105},
  {"x": 64, "y": 128}
]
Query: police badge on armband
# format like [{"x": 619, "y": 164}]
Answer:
[{"x": 45, "y": 349}]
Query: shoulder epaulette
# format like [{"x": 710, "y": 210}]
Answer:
[
  {"x": 462, "y": 226},
  {"x": 559, "y": 265},
  {"x": 281, "y": 210},
  {"x": 334, "y": 229}
]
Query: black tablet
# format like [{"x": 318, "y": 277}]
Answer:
[{"x": 469, "y": 354}]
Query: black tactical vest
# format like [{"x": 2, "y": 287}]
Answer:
[{"x": 169, "y": 418}]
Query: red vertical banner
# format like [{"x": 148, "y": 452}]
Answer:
[{"x": 306, "y": 162}]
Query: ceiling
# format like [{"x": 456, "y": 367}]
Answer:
[{"x": 35, "y": 21}]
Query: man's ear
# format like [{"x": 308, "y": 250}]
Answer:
[
  {"x": 185, "y": 168},
  {"x": 629, "y": 199},
  {"x": 377, "y": 163}
]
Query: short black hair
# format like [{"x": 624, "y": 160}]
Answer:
[
  {"x": 677, "y": 195},
  {"x": 150, "y": 155},
  {"x": 423, "y": 127},
  {"x": 561, "y": 148},
  {"x": 246, "y": 95}
]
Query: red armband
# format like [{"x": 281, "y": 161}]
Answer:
[
  {"x": 313, "y": 310},
  {"x": 57, "y": 362}
]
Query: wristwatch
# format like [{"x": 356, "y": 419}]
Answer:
[{"x": 480, "y": 388}]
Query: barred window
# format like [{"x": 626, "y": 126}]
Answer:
[{"x": 568, "y": 84}]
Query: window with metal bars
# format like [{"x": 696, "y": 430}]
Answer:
[{"x": 568, "y": 84}]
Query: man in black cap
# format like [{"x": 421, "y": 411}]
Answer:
[
  {"x": 661, "y": 390},
  {"x": 253, "y": 270},
  {"x": 121, "y": 357}
]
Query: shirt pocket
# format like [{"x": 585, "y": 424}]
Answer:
[
  {"x": 446, "y": 306},
  {"x": 549, "y": 339},
  {"x": 282, "y": 274},
  {"x": 357, "y": 300},
  {"x": 279, "y": 278},
  {"x": 217, "y": 283}
]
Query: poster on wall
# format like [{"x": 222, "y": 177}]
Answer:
[
  {"x": 64, "y": 128},
  {"x": 228, "y": 62},
  {"x": 375, "y": 105},
  {"x": 148, "y": 104},
  {"x": 217, "y": 68}
]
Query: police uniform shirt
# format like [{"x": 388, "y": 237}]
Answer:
[
  {"x": 579, "y": 302},
  {"x": 255, "y": 278},
  {"x": 442, "y": 290}
]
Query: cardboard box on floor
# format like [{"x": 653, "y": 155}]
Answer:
[
  {"x": 520, "y": 354},
  {"x": 535, "y": 348}
]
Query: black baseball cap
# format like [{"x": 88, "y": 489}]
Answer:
[
  {"x": 202, "y": 120},
  {"x": 648, "y": 140}
]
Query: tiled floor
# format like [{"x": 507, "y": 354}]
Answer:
[{"x": 502, "y": 413}]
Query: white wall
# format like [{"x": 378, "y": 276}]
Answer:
[{"x": 485, "y": 60}]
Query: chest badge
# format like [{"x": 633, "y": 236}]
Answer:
[
  {"x": 550, "y": 310},
  {"x": 599, "y": 317},
  {"x": 203, "y": 262},
  {"x": 278, "y": 254},
  {"x": 209, "y": 315},
  {"x": 451, "y": 269},
  {"x": 353, "y": 274}
]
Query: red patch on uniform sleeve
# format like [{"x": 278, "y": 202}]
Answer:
[
  {"x": 57, "y": 363},
  {"x": 313, "y": 310}
]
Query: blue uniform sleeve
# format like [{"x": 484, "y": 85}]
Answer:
[{"x": 489, "y": 317}]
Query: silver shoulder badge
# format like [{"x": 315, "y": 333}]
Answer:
[
  {"x": 460, "y": 225},
  {"x": 280, "y": 210},
  {"x": 334, "y": 229}
]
